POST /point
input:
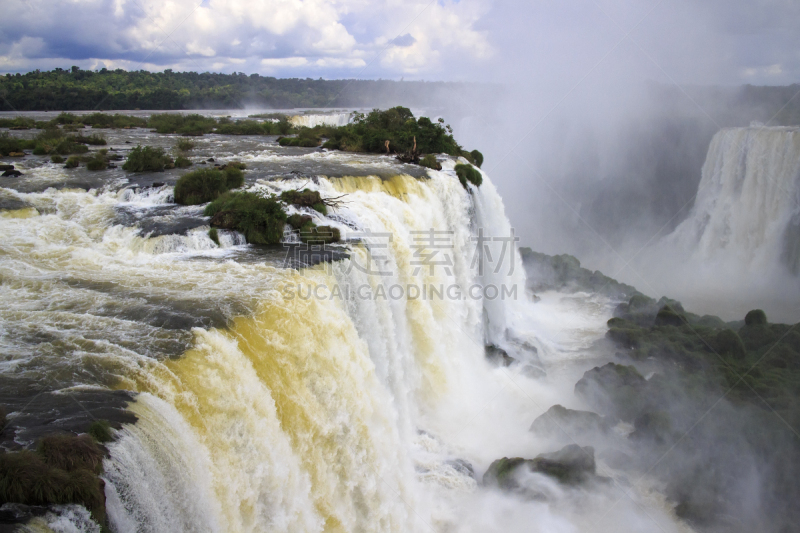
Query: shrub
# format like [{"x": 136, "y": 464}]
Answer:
[
  {"x": 182, "y": 162},
  {"x": 477, "y": 158},
  {"x": 299, "y": 222},
  {"x": 236, "y": 164},
  {"x": 10, "y": 144},
  {"x": 755, "y": 317},
  {"x": 213, "y": 235},
  {"x": 97, "y": 163},
  {"x": 467, "y": 173},
  {"x": 429, "y": 161},
  {"x": 259, "y": 218},
  {"x": 184, "y": 145},
  {"x": 72, "y": 162},
  {"x": 104, "y": 120},
  {"x": 100, "y": 430},
  {"x": 206, "y": 184},
  {"x": 304, "y": 142},
  {"x": 192, "y": 124},
  {"x": 319, "y": 234},
  {"x": 147, "y": 159},
  {"x": 68, "y": 452},
  {"x": 94, "y": 139},
  {"x": 305, "y": 198}
]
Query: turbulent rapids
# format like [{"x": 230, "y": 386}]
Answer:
[{"x": 343, "y": 396}]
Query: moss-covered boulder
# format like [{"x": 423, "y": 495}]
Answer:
[
  {"x": 615, "y": 389},
  {"x": 571, "y": 465},
  {"x": 261, "y": 219},
  {"x": 756, "y": 317},
  {"x": 206, "y": 184},
  {"x": 560, "y": 422}
]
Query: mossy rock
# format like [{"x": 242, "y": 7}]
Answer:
[
  {"x": 100, "y": 430},
  {"x": 615, "y": 389},
  {"x": 72, "y": 162},
  {"x": 213, "y": 234},
  {"x": 571, "y": 465},
  {"x": 559, "y": 421},
  {"x": 57, "y": 159},
  {"x": 667, "y": 316},
  {"x": 97, "y": 163},
  {"x": 305, "y": 198},
  {"x": 729, "y": 345},
  {"x": 756, "y": 317}
]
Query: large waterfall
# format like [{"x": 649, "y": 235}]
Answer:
[{"x": 350, "y": 396}]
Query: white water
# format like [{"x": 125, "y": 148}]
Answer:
[
  {"x": 312, "y": 120},
  {"x": 744, "y": 228},
  {"x": 313, "y": 414}
]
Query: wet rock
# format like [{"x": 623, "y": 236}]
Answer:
[
  {"x": 571, "y": 465},
  {"x": 6, "y": 167},
  {"x": 655, "y": 427},
  {"x": 559, "y": 421},
  {"x": 615, "y": 389},
  {"x": 11, "y": 174},
  {"x": 497, "y": 355},
  {"x": 532, "y": 371},
  {"x": 210, "y": 160},
  {"x": 463, "y": 466}
]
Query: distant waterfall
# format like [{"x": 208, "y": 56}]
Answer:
[
  {"x": 311, "y": 120},
  {"x": 748, "y": 202}
]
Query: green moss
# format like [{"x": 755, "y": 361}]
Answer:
[
  {"x": 72, "y": 162},
  {"x": 147, "y": 159},
  {"x": 100, "y": 430},
  {"x": 755, "y": 317},
  {"x": 467, "y": 173},
  {"x": 213, "y": 235},
  {"x": 477, "y": 158},
  {"x": 429, "y": 161},
  {"x": 320, "y": 235},
  {"x": 206, "y": 184},
  {"x": 305, "y": 198},
  {"x": 182, "y": 162},
  {"x": 298, "y": 221},
  {"x": 259, "y": 218}
]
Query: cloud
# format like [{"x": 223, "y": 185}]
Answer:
[{"x": 404, "y": 40}]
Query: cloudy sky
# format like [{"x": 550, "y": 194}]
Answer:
[{"x": 689, "y": 41}]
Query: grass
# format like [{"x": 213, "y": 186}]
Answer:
[
  {"x": 261, "y": 219},
  {"x": 467, "y": 173},
  {"x": 147, "y": 159},
  {"x": 206, "y": 184},
  {"x": 429, "y": 161},
  {"x": 182, "y": 162},
  {"x": 72, "y": 162},
  {"x": 63, "y": 470},
  {"x": 214, "y": 235},
  {"x": 184, "y": 145},
  {"x": 100, "y": 430},
  {"x": 93, "y": 139}
]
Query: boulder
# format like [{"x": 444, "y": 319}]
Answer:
[
  {"x": 6, "y": 167},
  {"x": 559, "y": 421},
  {"x": 11, "y": 174},
  {"x": 498, "y": 356},
  {"x": 615, "y": 389},
  {"x": 571, "y": 465}
]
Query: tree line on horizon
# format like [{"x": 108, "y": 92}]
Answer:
[{"x": 76, "y": 90}]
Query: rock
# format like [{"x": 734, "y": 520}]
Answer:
[
  {"x": 16, "y": 154},
  {"x": 571, "y": 465},
  {"x": 11, "y": 174},
  {"x": 667, "y": 316},
  {"x": 756, "y": 317},
  {"x": 532, "y": 371},
  {"x": 559, "y": 421},
  {"x": 157, "y": 184},
  {"x": 210, "y": 160},
  {"x": 498, "y": 356},
  {"x": 655, "y": 427},
  {"x": 615, "y": 389},
  {"x": 462, "y": 466},
  {"x": 6, "y": 167}
]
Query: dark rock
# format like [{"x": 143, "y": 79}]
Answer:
[
  {"x": 756, "y": 317},
  {"x": 210, "y": 160},
  {"x": 654, "y": 427},
  {"x": 157, "y": 184},
  {"x": 615, "y": 389},
  {"x": 11, "y": 174},
  {"x": 462, "y": 466},
  {"x": 571, "y": 465},
  {"x": 498, "y": 356},
  {"x": 6, "y": 167},
  {"x": 560, "y": 421}
]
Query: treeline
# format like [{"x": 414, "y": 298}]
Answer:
[{"x": 75, "y": 89}]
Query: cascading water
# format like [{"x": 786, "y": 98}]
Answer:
[
  {"x": 346, "y": 396},
  {"x": 312, "y": 120}
]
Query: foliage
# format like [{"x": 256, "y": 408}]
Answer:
[
  {"x": 72, "y": 162},
  {"x": 9, "y": 144},
  {"x": 93, "y": 139},
  {"x": 305, "y": 198},
  {"x": 206, "y": 184},
  {"x": 100, "y": 430},
  {"x": 467, "y": 173},
  {"x": 192, "y": 124},
  {"x": 477, "y": 158},
  {"x": 117, "y": 121},
  {"x": 319, "y": 234},
  {"x": 214, "y": 235},
  {"x": 184, "y": 145},
  {"x": 55, "y": 158},
  {"x": 260, "y": 219},
  {"x": 147, "y": 159},
  {"x": 182, "y": 162},
  {"x": 429, "y": 161}
]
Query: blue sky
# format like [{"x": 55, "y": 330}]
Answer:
[{"x": 686, "y": 41}]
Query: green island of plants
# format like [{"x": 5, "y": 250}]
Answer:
[
  {"x": 261, "y": 219},
  {"x": 207, "y": 184},
  {"x": 147, "y": 159}
]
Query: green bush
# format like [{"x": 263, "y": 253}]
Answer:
[
  {"x": 10, "y": 144},
  {"x": 467, "y": 173},
  {"x": 300, "y": 222},
  {"x": 305, "y": 198},
  {"x": 260, "y": 219},
  {"x": 94, "y": 139},
  {"x": 213, "y": 235},
  {"x": 97, "y": 163},
  {"x": 100, "y": 430},
  {"x": 477, "y": 158},
  {"x": 147, "y": 159},
  {"x": 17, "y": 123},
  {"x": 55, "y": 158},
  {"x": 184, "y": 145},
  {"x": 182, "y": 162},
  {"x": 206, "y": 184},
  {"x": 304, "y": 142},
  {"x": 236, "y": 164},
  {"x": 192, "y": 124},
  {"x": 755, "y": 317},
  {"x": 72, "y": 162},
  {"x": 429, "y": 161},
  {"x": 242, "y": 127}
]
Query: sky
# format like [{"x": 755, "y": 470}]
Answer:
[{"x": 682, "y": 41}]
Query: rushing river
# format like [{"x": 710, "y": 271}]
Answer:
[{"x": 254, "y": 396}]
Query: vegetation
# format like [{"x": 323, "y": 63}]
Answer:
[
  {"x": 252, "y": 127},
  {"x": 72, "y": 162},
  {"x": 64, "y": 469},
  {"x": 182, "y": 162},
  {"x": 192, "y": 124},
  {"x": 467, "y": 173},
  {"x": 261, "y": 219},
  {"x": 305, "y": 198},
  {"x": 319, "y": 234},
  {"x": 76, "y": 89},
  {"x": 147, "y": 159},
  {"x": 213, "y": 235},
  {"x": 93, "y": 139},
  {"x": 55, "y": 158},
  {"x": 100, "y": 430},
  {"x": 206, "y": 184},
  {"x": 184, "y": 145},
  {"x": 429, "y": 161},
  {"x": 11, "y": 145}
]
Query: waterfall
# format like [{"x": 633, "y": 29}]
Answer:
[
  {"x": 311, "y": 120},
  {"x": 748, "y": 202}
]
